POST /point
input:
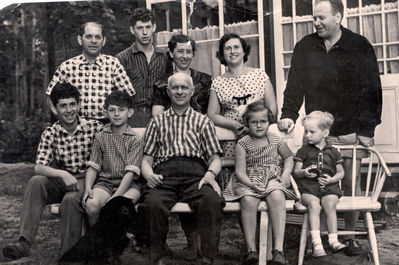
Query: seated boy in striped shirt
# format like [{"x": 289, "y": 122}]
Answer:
[{"x": 114, "y": 165}]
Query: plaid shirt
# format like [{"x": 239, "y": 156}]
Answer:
[
  {"x": 113, "y": 154},
  {"x": 94, "y": 81},
  {"x": 171, "y": 135},
  {"x": 142, "y": 74},
  {"x": 70, "y": 151}
]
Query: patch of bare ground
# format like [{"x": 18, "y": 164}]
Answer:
[{"x": 45, "y": 250}]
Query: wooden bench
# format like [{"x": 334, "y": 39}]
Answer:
[{"x": 231, "y": 207}]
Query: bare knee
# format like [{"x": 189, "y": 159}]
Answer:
[
  {"x": 276, "y": 199},
  {"x": 93, "y": 207},
  {"x": 329, "y": 204}
]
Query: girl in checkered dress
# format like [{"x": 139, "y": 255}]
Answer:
[{"x": 258, "y": 176}]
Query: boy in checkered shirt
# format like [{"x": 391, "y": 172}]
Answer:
[
  {"x": 60, "y": 167},
  {"x": 114, "y": 165}
]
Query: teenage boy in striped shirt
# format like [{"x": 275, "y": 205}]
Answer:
[
  {"x": 144, "y": 64},
  {"x": 180, "y": 163},
  {"x": 60, "y": 168}
]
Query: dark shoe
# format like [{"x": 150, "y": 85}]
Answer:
[
  {"x": 353, "y": 248},
  {"x": 16, "y": 251},
  {"x": 278, "y": 257},
  {"x": 207, "y": 261},
  {"x": 190, "y": 253},
  {"x": 167, "y": 251},
  {"x": 251, "y": 257}
]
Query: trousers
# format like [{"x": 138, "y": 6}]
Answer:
[
  {"x": 180, "y": 183},
  {"x": 41, "y": 191}
]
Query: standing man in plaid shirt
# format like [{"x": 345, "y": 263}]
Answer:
[
  {"x": 96, "y": 75},
  {"x": 180, "y": 163},
  {"x": 60, "y": 168},
  {"x": 144, "y": 64}
]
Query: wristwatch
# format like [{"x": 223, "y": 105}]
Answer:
[{"x": 212, "y": 172}]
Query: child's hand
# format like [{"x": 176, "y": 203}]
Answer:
[
  {"x": 307, "y": 172},
  {"x": 88, "y": 194},
  {"x": 259, "y": 189},
  {"x": 154, "y": 180},
  {"x": 324, "y": 180}
]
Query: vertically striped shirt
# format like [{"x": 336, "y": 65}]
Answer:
[
  {"x": 142, "y": 74},
  {"x": 115, "y": 154},
  {"x": 69, "y": 150},
  {"x": 171, "y": 135},
  {"x": 94, "y": 80}
]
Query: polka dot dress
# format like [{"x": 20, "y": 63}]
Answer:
[{"x": 235, "y": 93}]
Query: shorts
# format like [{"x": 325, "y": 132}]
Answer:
[
  {"x": 348, "y": 139},
  {"x": 111, "y": 187},
  {"x": 311, "y": 186}
]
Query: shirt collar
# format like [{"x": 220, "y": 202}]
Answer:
[
  {"x": 327, "y": 146},
  {"x": 136, "y": 50},
  {"x": 171, "y": 112},
  {"x": 80, "y": 127},
  {"x": 99, "y": 60},
  {"x": 108, "y": 129},
  {"x": 343, "y": 42}
]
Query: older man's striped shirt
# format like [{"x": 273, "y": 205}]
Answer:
[{"x": 170, "y": 135}]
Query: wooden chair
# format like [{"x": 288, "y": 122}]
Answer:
[{"x": 366, "y": 203}]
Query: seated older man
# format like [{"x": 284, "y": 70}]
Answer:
[{"x": 181, "y": 163}]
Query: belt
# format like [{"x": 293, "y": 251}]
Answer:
[{"x": 143, "y": 109}]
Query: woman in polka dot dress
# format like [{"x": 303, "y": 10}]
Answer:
[{"x": 232, "y": 92}]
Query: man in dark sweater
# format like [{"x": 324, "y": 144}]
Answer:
[{"x": 336, "y": 70}]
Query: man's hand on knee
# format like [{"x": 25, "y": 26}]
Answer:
[{"x": 210, "y": 179}]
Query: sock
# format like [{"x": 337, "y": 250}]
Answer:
[
  {"x": 316, "y": 239},
  {"x": 332, "y": 238}
]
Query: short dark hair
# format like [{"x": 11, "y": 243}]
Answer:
[
  {"x": 226, "y": 37},
  {"x": 118, "y": 98},
  {"x": 336, "y": 6},
  {"x": 255, "y": 107},
  {"x": 141, "y": 14},
  {"x": 180, "y": 38},
  {"x": 83, "y": 26},
  {"x": 63, "y": 91}
]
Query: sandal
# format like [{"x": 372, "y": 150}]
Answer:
[{"x": 337, "y": 246}]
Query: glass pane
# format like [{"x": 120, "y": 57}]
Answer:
[
  {"x": 381, "y": 67},
  {"x": 378, "y": 52},
  {"x": 353, "y": 24},
  {"x": 393, "y": 67},
  {"x": 288, "y": 37},
  {"x": 390, "y": 4},
  {"x": 286, "y": 6},
  {"x": 241, "y": 17},
  {"x": 205, "y": 58},
  {"x": 372, "y": 28},
  {"x": 303, "y": 7},
  {"x": 287, "y": 59},
  {"x": 286, "y": 71},
  {"x": 392, "y": 51},
  {"x": 203, "y": 20},
  {"x": 392, "y": 27},
  {"x": 168, "y": 20},
  {"x": 303, "y": 29}
]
